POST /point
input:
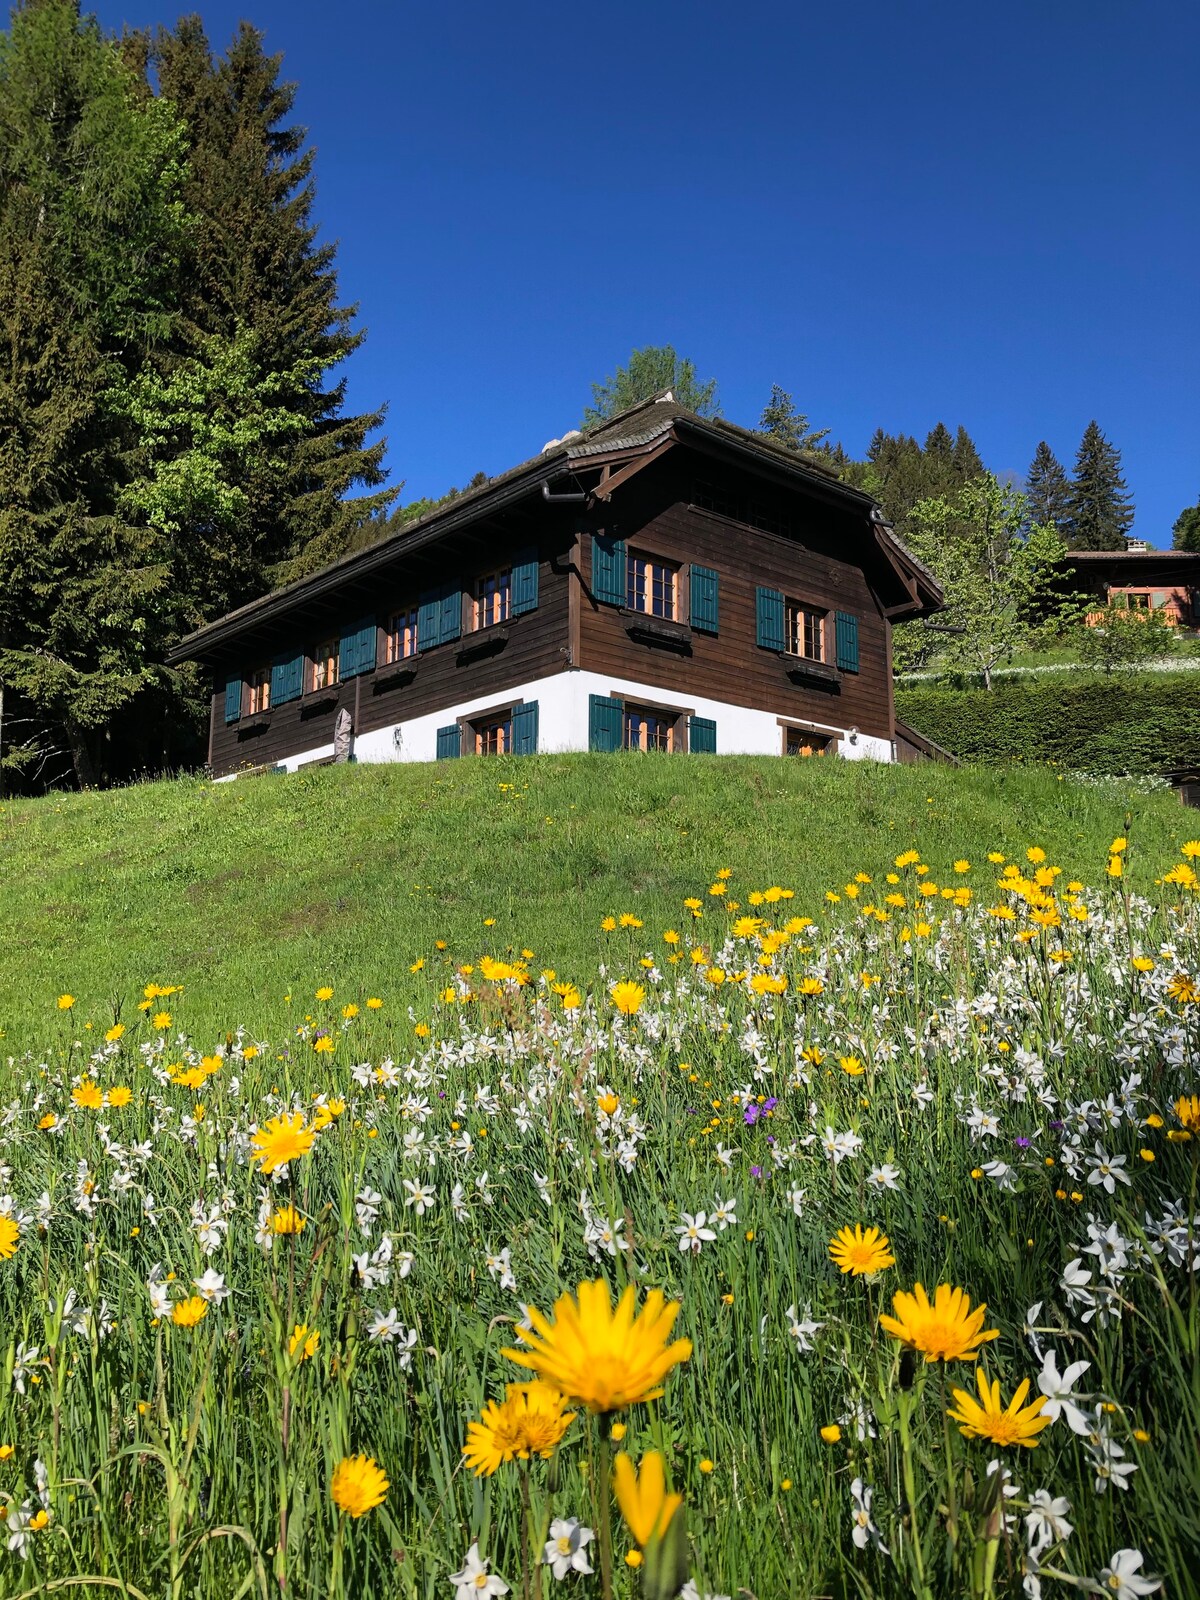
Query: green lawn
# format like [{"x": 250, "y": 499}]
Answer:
[{"x": 243, "y": 891}]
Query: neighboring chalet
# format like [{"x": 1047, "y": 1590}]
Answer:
[
  {"x": 664, "y": 582},
  {"x": 1167, "y": 581}
]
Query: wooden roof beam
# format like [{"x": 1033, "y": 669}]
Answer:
[{"x": 610, "y": 480}]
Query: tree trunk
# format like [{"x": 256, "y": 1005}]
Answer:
[{"x": 81, "y": 755}]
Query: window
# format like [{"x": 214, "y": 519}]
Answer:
[
  {"x": 757, "y": 513},
  {"x": 804, "y": 631},
  {"x": 648, "y": 729},
  {"x": 402, "y": 636},
  {"x": 492, "y": 735},
  {"x": 493, "y": 598},
  {"x": 260, "y": 690},
  {"x": 325, "y": 666},
  {"x": 803, "y": 742},
  {"x": 1139, "y": 602},
  {"x": 650, "y": 586}
]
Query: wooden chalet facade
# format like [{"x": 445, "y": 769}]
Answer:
[
  {"x": 1166, "y": 581},
  {"x": 664, "y": 582}
]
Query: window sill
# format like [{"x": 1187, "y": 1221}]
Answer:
[
  {"x": 485, "y": 642},
  {"x": 252, "y": 727},
  {"x": 667, "y": 635},
  {"x": 804, "y": 668},
  {"x": 318, "y": 701},
  {"x": 398, "y": 675}
]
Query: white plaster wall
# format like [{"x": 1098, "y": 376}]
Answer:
[{"x": 563, "y": 722}]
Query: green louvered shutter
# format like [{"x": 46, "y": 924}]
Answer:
[
  {"x": 604, "y": 723},
  {"x": 525, "y": 729},
  {"x": 608, "y": 570},
  {"x": 233, "y": 699},
  {"x": 451, "y": 623},
  {"x": 356, "y": 649},
  {"x": 702, "y": 736},
  {"x": 524, "y": 582},
  {"x": 429, "y": 620},
  {"x": 287, "y": 679},
  {"x": 449, "y": 742},
  {"x": 705, "y": 599},
  {"x": 846, "y": 633},
  {"x": 769, "y": 613}
]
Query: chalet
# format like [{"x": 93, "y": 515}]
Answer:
[
  {"x": 1166, "y": 581},
  {"x": 664, "y": 582}
]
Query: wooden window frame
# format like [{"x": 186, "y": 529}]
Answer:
[
  {"x": 258, "y": 684},
  {"x": 503, "y": 579},
  {"x": 325, "y": 656},
  {"x": 650, "y": 560},
  {"x": 392, "y": 653},
  {"x": 804, "y": 613},
  {"x": 789, "y": 725},
  {"x": 681, "y": 714},
  {"x": 467, "y": 733}
]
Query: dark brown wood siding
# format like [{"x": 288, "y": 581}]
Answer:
[
  {"x": 525, "y": 648},
  {"x": 810, "y": 558}
]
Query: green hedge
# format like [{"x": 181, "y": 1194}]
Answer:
[{"x": 1144, "y": 724}]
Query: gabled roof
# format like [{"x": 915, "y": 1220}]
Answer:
[{"x": 635, "y": 428}]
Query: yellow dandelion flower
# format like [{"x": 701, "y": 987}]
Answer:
[
  {"x": 10, "y": 1238},
  {"x": 989, "y": 1418},
  {"x": 627, "y": 997},
  {"x": 281, "y": 1140},
  {"x": 861, "y": 1254},
  {"x": 944, "y": 1330},
  {"x": 287, "y": 1220},
  {"x": 189, "y": 1312},
  {"x": 65, "y": 1002},
  {"x": 358, "y": 1485}
]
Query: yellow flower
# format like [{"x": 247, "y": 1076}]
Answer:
[
  {"x": 1142, "y": 964},
  {"x": 627, "y": 997},
  {"x": 287, "y": 1220},
  {"x": 946, "y": 1330},
  {"x": 810, "y": 986},
  {"x": 324, "y": 1045},
  {"x": 530, "y": 1421},
  {"x": 120, "y": 1095},
  {"x": 6, "y": 1450},
  {"x": 10, "y": 1238},
  {"x": 670, "y": 937},
  {"x": 962, "y": 866},
  {"x": 350, "y": 1012},
  {"x": 851, "y": 1066},
  {"x": 859, "y": 1253},
  {"x": 1187, "y": 1109},
  {"x": 374, "y": 1003},
  {"x": 48, "y": 1121},
  {"x": 325, "y": 993},
  {"x": 89, "y": 1095},
  {"x": 629, "y": 921},
  {"x": 359, "y": 1484},
  {"x": 767, "y": 983},
  {"x": 65, "y": 1002},
  {"x": 607, "y": 924},
  {"x": 1035, "y": 854},
  {"x": 987, "y": 1418},
  {"x": 831, "y": 1433},
  {"x": 281, "y": 1140},
  {"x": 161, "y": 1019},
  {"x": 607, "y": 1359},
  {"x": 189, "y": 1312},
  {"x": 706, "y": 1466},
  {"x": 114, "y": 1033},
  {"x": 643, "y": 1498},
  {"x": 608, "y": 1103},
  {"x": 304, "y": 1342}
]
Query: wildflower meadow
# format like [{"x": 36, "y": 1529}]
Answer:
[{"x": 845, "y": 1247}]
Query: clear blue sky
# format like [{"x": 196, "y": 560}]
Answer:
[{"x": 983, "y": 214}]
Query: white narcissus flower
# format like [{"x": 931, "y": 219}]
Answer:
[
  {"x": 862, "y": 1528},
  {"x": 566, "y": 1548},
  {"x": 1057, "y": 1388},
  {"x": 1046, "y": 1521},
  {"x": 691, "y": 1592},
  {"x": 211, "y": 1287},
  {"x": 692, "y": 1232},
  {"x": 1120, "y": 1578},
  {"x": 475, "y": 1578}
]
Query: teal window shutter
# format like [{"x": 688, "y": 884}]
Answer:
[
  {"x": 287, "y": 679},
  {"x": 524, "y": 582},
  {"x": 702, "y": 736},
  {"x": 769, "y": 614},
  {"x": 605, "y": 719},
  {"x": 608, "y": 570},
  {"x": 233, "y": 699},
  {"x": 449, "y": 742},
  {"x": 429, "y": 620},
  {"x": 356, "y": 649},
  {"x": 451, "y": 624},
  {"x": 705, "y": 599},
  {"x": 846, "y": 628},
  {"x": 525, "y": 729}
]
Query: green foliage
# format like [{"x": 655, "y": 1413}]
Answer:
[
  {"x": 1124, "y": 639},
  {"x": 899, "y": 472},
  {"x": 649, "y": 372},
  {"x": 996, "y": 572},
  {"x": 1100, "y": 512},
  {"x": 1186, "y": 530},
  {"x": 1147, "y": 725},
  {"x": 1047, "y": 490},
  {"x": 784, "y": 425}
]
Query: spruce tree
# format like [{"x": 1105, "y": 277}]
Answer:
[
  {"x": 784, "y": 425},
  {"x": 1186, "y": 530},
  {"x": 968, "y": 463},
  {"x": 90, "y": 224},
  {"x": 649, "y": 372},
  {"x": 1101, "y": 509},
  {"x": 1046, "y": 489},
  {"x": 256, "y": 281}
]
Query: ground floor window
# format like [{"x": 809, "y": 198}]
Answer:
[
  {"x": 804, "y": 742},
  {"x": 491, "y": 735},
  {"x": 647, "y": 728}
]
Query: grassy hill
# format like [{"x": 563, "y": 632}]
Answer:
[{"x": 246, "y": 892}]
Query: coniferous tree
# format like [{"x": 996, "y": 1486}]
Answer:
[
  {"x": 784, "y": 425},
  {"x": 259, "y": 292},
  {"x": 90, "y": 225},
  {"x": 1047, "y": 490},
  {"x": 1101, "y": 509},
  {"x": 1186, "y": 530},
  {"x": 967, "y": 461},
  {"x": 939, "y": 449},
  {"x": 649, "y": 372}
]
